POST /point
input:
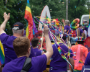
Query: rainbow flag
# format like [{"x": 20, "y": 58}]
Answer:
[
  {"x": 2, "y": 56},
  {"x": 29, "y": 25},
  {"x": 80, "y": 61}
]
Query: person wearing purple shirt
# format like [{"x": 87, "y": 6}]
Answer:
[
  {"x": 7, "y": 41},
  {"x": 32, "y": 53},
  {"x": 86, "y": 67},
  {"x": 36, "y": 51},
  {"x": 67, "y": 27},
  {"x": 22, "y": 49},
  {"x": 58, "y": 64},
  {"x": 87, "y": 61},
  {"x": 86, "y": 28},
  {"x": 80, "y": 30}
]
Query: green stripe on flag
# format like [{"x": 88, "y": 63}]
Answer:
[{"x": 1, "y": 53}]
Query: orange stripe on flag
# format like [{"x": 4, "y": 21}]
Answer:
[{"x": 28, "y": 16}]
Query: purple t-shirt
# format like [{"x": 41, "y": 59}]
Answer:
[
  {"x": 7, "y": 42},
  {"x": 37, "y": 52},
  {"x": 86, "y": 28},
  {"x": 31, "y": 53},
  {"x": 87, "y": 61},
  {"x": 38, "y": 64},
  {"x": 67, "y": 28},
  {"x": 81, "y": 31},
  {"x": 58, "y": 64}
]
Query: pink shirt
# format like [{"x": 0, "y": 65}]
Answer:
[{"x": 80, "y": 54}]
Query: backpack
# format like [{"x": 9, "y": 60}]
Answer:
[{"x": 27, "y": 65}]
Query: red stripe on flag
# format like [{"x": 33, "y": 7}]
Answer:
[{"x": 28, "y": 17}]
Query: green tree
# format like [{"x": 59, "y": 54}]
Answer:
[
  {"x": 58, "y": 9},
  {"x": 17, "y": 9},
  {"x": 77, "y": 9}
]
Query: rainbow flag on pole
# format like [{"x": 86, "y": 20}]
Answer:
[
  {"x": 29, "y": 25},
  {"x": 2, "y": 56}
]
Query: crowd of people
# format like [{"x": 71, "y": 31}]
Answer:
[{"x": 64, "y": 55}]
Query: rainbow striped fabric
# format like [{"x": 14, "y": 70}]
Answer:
[
  {"x": 29, "y": 25},
  {"x": 2, "y": 55},
  {"x": 80, "y": 61}
]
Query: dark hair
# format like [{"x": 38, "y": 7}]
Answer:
[
  {"x": 34, "y": 42},
  {"x": 80, "y": 42},
  {"x": 21, "y": 45},
  {"x": 72, "y": 44},
  {"x": 80, "y": 25},
  {"x": 64, "y": 37},
  {"x": 52, "y": 41}
]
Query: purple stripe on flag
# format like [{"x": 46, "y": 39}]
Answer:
[{"x": 34, "y": 27}]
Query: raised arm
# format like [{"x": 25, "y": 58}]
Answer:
[
  {"x": 49, "y": 48},
  {"x": 3, "y": 25}
]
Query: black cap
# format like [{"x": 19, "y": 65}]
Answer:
[{"x": 18, "y": 26}]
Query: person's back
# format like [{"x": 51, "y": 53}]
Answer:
[
  {"x": 67, "y": 27},
  {"x": 36, "y": 51},
  {"x": 38, "y": 64},
  {"x": 81, "y": 31},
  {"x": 58, "y": 64},
  {"x": 7, "y": 41},
  {"x": 87, "y": 61},
  {"x": 8, "y": 47},
  {"x": 22, "y": 49},
  {"x": 80, "y": 54}
]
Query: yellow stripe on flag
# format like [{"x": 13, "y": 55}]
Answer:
[
  {"x": 28, "y": 9},
  {"x": 2, "y": 48},
  {"x": 27, "y": 32}
]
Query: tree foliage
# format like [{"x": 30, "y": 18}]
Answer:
[
  {"x": 57, "y": 9},
  {"x": 77, "y": 9}
]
